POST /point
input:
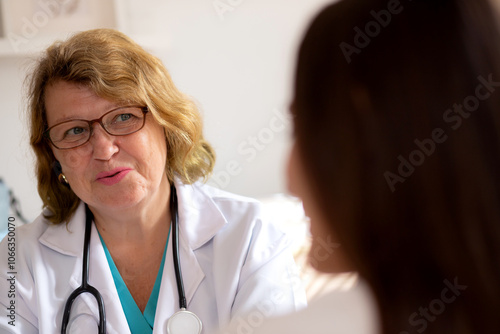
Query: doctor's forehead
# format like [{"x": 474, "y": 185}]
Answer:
[{"x": 65, "y": 101}]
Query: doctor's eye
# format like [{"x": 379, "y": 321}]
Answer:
[
  {"x": 124, "y": 117},
  {"x": 76, "y": 131}
]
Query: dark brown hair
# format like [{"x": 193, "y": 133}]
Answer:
[{"x": 396, "y": 114}]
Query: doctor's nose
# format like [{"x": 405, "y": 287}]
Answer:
[{"x": 103, "y": 144}]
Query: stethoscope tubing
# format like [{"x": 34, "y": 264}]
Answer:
[
  {"x": 175, "y": 239},
  {"x": 85, "y": 286}
]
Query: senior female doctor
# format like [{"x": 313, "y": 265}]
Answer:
[{"x": 118, "y": 152}]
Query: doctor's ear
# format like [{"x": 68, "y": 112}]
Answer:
[{"x": 57, "y": 169}]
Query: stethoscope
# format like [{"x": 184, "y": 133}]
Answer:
[{"x": 181, "y": 322}]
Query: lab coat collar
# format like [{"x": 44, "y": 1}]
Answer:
[
  {"x": 57, "y": 237},
  {"x": 200, "y": 220},
  {"x": 199, "y": 217}
]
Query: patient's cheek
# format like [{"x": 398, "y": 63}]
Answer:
[
  {"x": 322, "y": 253},
  {"x": 327, "y": 253}
]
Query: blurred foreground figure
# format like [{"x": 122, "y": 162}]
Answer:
[{"x": 397, "y": 158}]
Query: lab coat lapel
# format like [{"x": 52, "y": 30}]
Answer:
[
  {"x": 65, "y": 238},
  {"x": 192, "y": 276},
  {"x": 58, "y": 238},
  {"x": 199, "y": 221}
]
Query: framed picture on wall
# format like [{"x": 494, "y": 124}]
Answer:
[{"x": 29, "y": 23}]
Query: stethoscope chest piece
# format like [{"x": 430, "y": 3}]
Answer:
[{"x": 184, "y": 322}]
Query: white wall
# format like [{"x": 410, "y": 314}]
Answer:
[
  {"x": 16, "y": 166},
  {"x": 237, "y": 65}
]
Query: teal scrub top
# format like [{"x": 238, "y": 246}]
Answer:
[{"x": 138, "y": 322}]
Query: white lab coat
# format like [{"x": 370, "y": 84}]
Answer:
[{"x": 235, "y": 267}]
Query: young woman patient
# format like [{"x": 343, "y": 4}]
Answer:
[{"x": 397, "y": 158}]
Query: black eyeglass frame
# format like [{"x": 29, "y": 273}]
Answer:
[{"x": 46, "y": 133}]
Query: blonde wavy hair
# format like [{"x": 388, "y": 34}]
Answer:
[{"x": 115, "y": 68}]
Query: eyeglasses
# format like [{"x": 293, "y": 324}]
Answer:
[{"x": 121, "y": 121}]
